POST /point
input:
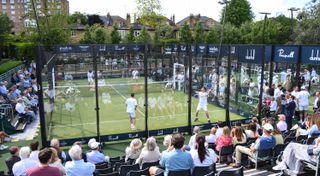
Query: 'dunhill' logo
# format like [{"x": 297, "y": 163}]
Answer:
[
  {"x": 282, "y": 54},
  {"x": 314, "y": 56},
  {"x": 213, "y": 49},
  {"x": 250, "y": 54}
]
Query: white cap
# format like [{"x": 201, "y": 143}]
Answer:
[
  {"x": 91, "y": 141},
  {"x": 268, "y": 127},
  {"x": 95, "y": 145}
]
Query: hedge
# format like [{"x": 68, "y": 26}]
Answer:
[{"x": 4, "y": 67}]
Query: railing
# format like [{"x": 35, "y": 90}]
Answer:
[{"x": 7, "y": 75}]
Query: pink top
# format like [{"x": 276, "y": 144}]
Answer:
[{"x": 223, "y": 141}]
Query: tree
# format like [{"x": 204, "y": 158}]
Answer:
[
  {"x": 129, "y": 38},
  {"x": 5, "y": 27},
  {"x": 115, "y": 36},
  {"x": 77, "y": 17},
  {"x": 148, "y": 7},
  {"x": 100, "y": 36},
  {"x": 238, "y": 12},
  {"x": 213, "y": 35},
  {"x": 95, "y": 34},
  {"x": 199, "y": 36},
  {"x": 144, "y": 37},
  {"x": 185, "y": 34}
]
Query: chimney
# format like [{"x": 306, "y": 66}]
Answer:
[
  {"x": 174, "y": 19},
  {"x": 191, "y": 20},
  {"x": 128, "y": 20}
]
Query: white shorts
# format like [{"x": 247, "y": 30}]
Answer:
[
  {"x": 203, "y": 107},
  {"x": 135, "y": 77},
  {"x": 303, "y": 108},
  {"x": 132, "y": 115},
  {"x": 90, "y": 80}
]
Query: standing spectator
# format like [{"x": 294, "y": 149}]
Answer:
[
  {"x": 95, "y": 156},
  {"x": 134, "y": 150},
  {"x": 56, "y": 162},
  {"x": 224, "y": 140},
  {"x": 150, "y": 152},
  {"x": 282, "y": 125},
  {"x": 273, "y": 106},
  {"x": 212, "y": 136},
  {"x": 289, "y": 110},
  {"x": 316, "y": 104},
  {"x": 44, "y": 168},
  {"x": 303, "y": 101},
  {"x": 34, "y": 155},
  {"x": 175, "y": 160},
  {"x": 77, "y": 167},
  {"x": 202, "y": 156},
  {"x": 192, "y": 141},
  {"x": 14, "y": 151},
  {"x": 56, "y": 144},
  {"x": 21, "y": 167}
]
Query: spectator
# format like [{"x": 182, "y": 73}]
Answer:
[
  {"x": 251, "y": 132},
  {"x": 56, "y": 162},
  {"x": 212, "y": 136},
  {"x": 3, "y": 88},
  {"x": 202, "y": 156},
  {"x": 224, "y": 140},
  {"x": 255, "y": 121},
  {"x": 303, "y": 101},
  {"x": 77, "y": 167},
  {"x": 150, "y": 152},
  {"x": 21, "y": 167},
  {"x": 220, "y": 129},
  {"x": 238, "y": 136},
  {"x": 175, "y": 160},
  {"x": 56, "y": 144},
  {"x": 167, "y": 144},
  {"x": 134, "y": 150},
  {"x": 95, "y": 156},
  {"x": 192, "y": 141},
  {"x": 276, "y": 133},
  {"x": 282, "y": 125},
  {"x": 14, "y": 151},
  {"x": 316, "y": 104},
  {"x": 266, "y": 141},
  {"x": 24, "y": 111},
  {"x": 34, "y": 155},
  {"x": 45, "y": 156},
  {"x": 83, "y": 155},
  {"x": 290, "y": 107},
  {"x": 273, "y": 106},
  {"x": 3, "y": 136}
]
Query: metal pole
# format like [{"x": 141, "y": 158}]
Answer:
[
  {"x": 228, "y": 88},
  {"x": 37, "y": 20},
  {"x": 146, "y": 88},
  {"x": 271, "y": 67},
  {"x": 292, "y": 9},
  {"x": 190, "y": 89},
  {"x": 97, "y": 108}
]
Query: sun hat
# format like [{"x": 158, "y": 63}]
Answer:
[
  {"x": 268, "y": 127},
  {"x": 91, "y": 141}
]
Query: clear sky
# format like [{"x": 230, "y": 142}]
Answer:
[{"x": 183, "y": 8}]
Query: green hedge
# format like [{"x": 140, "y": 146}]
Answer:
[{"x": 4, "y": 67}]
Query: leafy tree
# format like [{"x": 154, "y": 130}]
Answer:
[
  {"x": 115, "y": 36},
  {"x": 231, "y": 34},
  {"x": 77, "y": 17},
  {"x": 95, "y": 34},
  {"x": 238, "y": 12},
  {"x": 100, "y": 36},
  {"x": 5, "y": 27},
  {"x": 199, "y": 36},
  {"x": 148, "y": 7},
  {"x": 129, "y": 38},
  {"x": 144, "y": 37},
  {"x": 213, "y": 35},
  {"x": 185, "y": 34},
  {"x": 156, "y": 39}
]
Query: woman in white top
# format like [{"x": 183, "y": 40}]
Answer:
[
  {"x": 150, "y": 152},
  {"x": 134, "y": 150},
  {"x": 202, "y": 156},
  {"x": 56, "y": 162},
  {"x": 167, "y": 144}
]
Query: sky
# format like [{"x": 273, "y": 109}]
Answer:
[{"x": 183, "y": 8}]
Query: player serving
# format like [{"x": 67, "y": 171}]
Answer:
[{"x": 203, "y": 102}]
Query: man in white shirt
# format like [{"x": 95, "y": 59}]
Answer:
[
  {"x": 211, "y": 138},
  {"x": 23, "y": 111},
  {"x": 316, "y": 103},
  {"x": 303, "y": 101},
  {"x": 135, "y": 75},
  {"x": 90, "y": 77},
  {"x": 132, "y": 105},
  {"x": 203, "y": 102},
  {"x": 282, "y": 125},
  {"x": 21, "y": 167}
]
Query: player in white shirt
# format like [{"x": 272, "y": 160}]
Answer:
[
  {"x": 90, "y": 77},
  {"x": 132, "y": 105},
  {"x": 203, "y": 102},
  {"x": 135, "y": 75}
]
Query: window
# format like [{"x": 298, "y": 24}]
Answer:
[
  {"x": 13, "y": 12},
  {"x": 4, "y": 7},
  {"x": 11, "y": 7},
  {"x": 136, "y": 33},
  {"x": 73, "y": 33},
  {"x": 4, "y": 1},
  {"x": 11, "y": 1}
]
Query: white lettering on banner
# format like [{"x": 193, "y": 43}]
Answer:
[
  {"x": 133, "y": 136},
  {"x": 64, "y": 49},
  {"x": 102, "y": 48},
  {"x": 176, "y": 130},
  {"x": 175, "y": 48},
  {"x": 183, "y": 48},
  {"x": 283, "y": 55},
  {"x": 160, "y": 132},
  {"x": 213, "y": 49},
  {"x": 110, "y": 138},
  {"x": 314, "y": 57},
  {"x": 117, "y": 48},
  {"x": 233, "y": 50},
  {"x": 84, "y": 48},
  {"x": 63, "y": 143},
  {"x": 202, "y": 48},
  {"x": 192, "y": 48},
  {"x": 136, "y": 48},
  {"x": 250, "y": 54}
]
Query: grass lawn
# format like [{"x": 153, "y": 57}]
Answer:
[{"x": 4, "y": 67}]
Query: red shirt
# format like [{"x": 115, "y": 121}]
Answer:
[
  {"x": 42, "y": 171},
  {"x": 223, "y": 141}
]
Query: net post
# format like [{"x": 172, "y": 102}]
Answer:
[
  {"x": 145, "y": 62},
  {"x": 228, "y": 88},
  {"x": 97, "y": 108}
]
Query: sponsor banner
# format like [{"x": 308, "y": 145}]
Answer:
[
  {"x": 267, "y": 53},
  {"x": 213, "y": 50},
  {"x": 286, "y": 54},
  {"x": 202, "y": 49},
  {"x": 310, "y": 55},
  {"x": 250, "y": 54},
  {"x": 166, "y": 131},
  {"x": 167, "y": 49},
  {"x": 74, "y": 48},
  {"x": 183, "y": 48}
]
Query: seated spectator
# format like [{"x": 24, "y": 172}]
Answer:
[
  {"x": 167, "y": 144},
  {"x": 266, "y": 141},
  {"x": 202, "y": 156},
  {"x": 276, "y": 133},
  {"x": 150, "y": 152},
  {"x": 251, "y": 132},
  {"x": 95, "y": 156},
  {"x": 56, "y": 162},
  {"x": 3, "y": 136},
  {"x": 45, "y": 156},
  {"x": 24, "y": 111},
  {"x": 77, "y": 167},
  {"x": 224, "y": 140},
  {"x": 255, "y": 121},
  {"x": 294, "y": 153},
  {"x": 175, "y": 160},
  {"x": 192, "y": 141},
  {"x": 21, "y": 167},
  {"x": 312, "y": 125},
  {"x": 211, "y": 138},
  {"x": 134, "y": 150},
  {"x": 3, "y": 88},
  {"x": 34, "y": 155},
  {"x": 282, "y": 124},
  {"x": 220, "y": 129},
  {"x": 238, "y": 136},
  {"x": 14, "y": 151},
  {"x": 55, "y": 143},
  {"x": 83, "y": 155}
]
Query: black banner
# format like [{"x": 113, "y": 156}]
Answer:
[
  {"x": 250, "y": 54},
  {"x": 310, "y": 55},
  {"x": 286, "y": 54}
]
